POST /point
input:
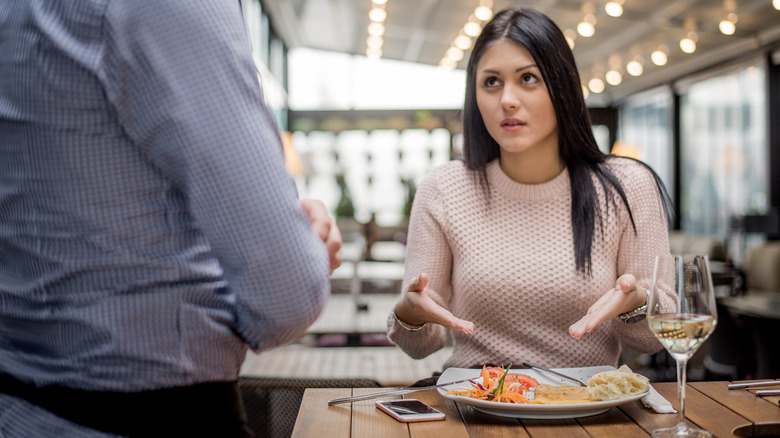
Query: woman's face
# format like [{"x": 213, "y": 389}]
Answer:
[{"x": 513, "y": 100}]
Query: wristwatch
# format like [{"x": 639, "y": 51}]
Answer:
[{"x": 638, "y": 314}]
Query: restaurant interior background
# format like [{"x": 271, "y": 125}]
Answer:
[{"x": 368, "y": 94}]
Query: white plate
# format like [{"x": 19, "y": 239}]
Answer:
[{"x": 520, "y": 410}]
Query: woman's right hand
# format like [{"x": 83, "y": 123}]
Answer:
[{"x": 416, "y": 307}]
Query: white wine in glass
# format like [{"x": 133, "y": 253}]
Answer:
[{"x": 687, "y": 326}]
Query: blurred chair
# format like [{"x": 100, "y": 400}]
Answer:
[
  {"x": 762, "y": 268},
  {"x": 746, "y": 336},
  {"x": 272, "y": 403},
  {"x": 681, "y": 242}
]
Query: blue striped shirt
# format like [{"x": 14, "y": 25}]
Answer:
[{"x": 149, "y": 232}]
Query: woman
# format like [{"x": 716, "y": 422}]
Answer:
[{"x": 530, "y": 248}]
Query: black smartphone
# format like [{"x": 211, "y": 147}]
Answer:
[{"x": 409, "y": 410}]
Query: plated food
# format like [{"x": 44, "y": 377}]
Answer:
[
  {"x": 562, "y": 409},
  {"x": 501, "y": 386},
  {"x": 617, "y": 384}
]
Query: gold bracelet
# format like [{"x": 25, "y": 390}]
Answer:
[{"x": 411, "y": 328}]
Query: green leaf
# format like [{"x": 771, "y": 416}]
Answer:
[{"x": 500, "y": 387}]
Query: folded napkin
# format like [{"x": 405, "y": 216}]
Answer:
[{"x": 656, "y": 402}]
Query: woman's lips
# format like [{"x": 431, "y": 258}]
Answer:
[{"x": 512, "y": 124}]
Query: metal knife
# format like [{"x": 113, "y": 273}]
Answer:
[
  {"x": 547, "y": 370},
  {"x": 406, "y": 390},
  {"x": 753, "y": 384}
]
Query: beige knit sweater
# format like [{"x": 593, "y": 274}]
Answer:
[{"x": 509, "y": 267}]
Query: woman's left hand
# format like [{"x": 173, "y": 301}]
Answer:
[{"x": 623, "y": 298}]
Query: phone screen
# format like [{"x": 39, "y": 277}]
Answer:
[{"x": 410, "y": 410}]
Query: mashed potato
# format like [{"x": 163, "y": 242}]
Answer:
[{"x": 619, "y": 383}]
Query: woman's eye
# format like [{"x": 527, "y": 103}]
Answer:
[
  {"x": 492, "y": 82},
  {"x": 529, "y": 78}
]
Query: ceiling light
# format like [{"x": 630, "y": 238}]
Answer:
[
  {"x": 726, "y": 27},
  {"x": 596, "y": 85},
  {"x": 688, "y": 44},
  {"x": 374, "y": 53},
  {"x": 375, "y": 42},
  {"x": 378, "y": 2},
  {"x": 454, "y": 53},
  {"x": 635, "y": 68},
  {"x": 376, "y": 29},
  {"x": 472, "y": 29},
  {"x": 659, "y": 55},
  {"x": 448, "y": 63},
  {"x": 776, "y": 4},
  {"x": 377, "y": 15},
  {"x": 585, "y": 92},
  {"x": 483, "y": 13},
  {"x": 613, "y": 9},
  {"x": 463, "y": 42},
  {"x": 614, "y": 77},
  {"x": 586, "y": 29}
]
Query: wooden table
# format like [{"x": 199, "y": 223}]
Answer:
[{"x": 710, "y": 405}]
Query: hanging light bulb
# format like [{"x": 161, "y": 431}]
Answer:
[
  {"x": 614, "y": 8},
  {"x": 776, "y": 4},
  {"x": 374, "y": 42},
  {"x": 688, "y": 43},
  {"x": 379, "y": 2},
  {"x": 727, "y": 25},
  {"x": 596, "y": 85},
  {"x": 484, "y": 13},
  {"x": 614, "y": 77},
  {"x": 374, "y": 53},
  {"x": 454, "y": 53},
  {"x": 377, "y": 15},
  {"x": 635, "y": 67},
  {"x": 463, "y": 42},
  {"x": 587, "y": 27},
  {"x": 585, "y": 92},
  {"x": 660, "y": 56},
  {"x": 472, "y": 29},
  {"x": 376, "y": 29},
  {"x": 448, "y": 63}
]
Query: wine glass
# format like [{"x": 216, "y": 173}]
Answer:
[{"x": 683, "y": 328}]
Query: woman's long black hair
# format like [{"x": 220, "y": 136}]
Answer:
[{"x": 576, "y": 145}]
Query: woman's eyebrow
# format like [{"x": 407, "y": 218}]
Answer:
[{"x": 519, "y": 69}]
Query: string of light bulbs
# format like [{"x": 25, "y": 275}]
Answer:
[
  {"x": 586, "y": 28},
  {"x": 659, "y": 56},
  {"x": 463, "y": 41},
  {"x": 376, "y": 28}
]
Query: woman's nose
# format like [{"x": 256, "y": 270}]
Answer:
[{"x": 509, "y": 99}]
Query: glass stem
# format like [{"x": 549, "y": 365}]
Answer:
[{"x": 681, "y": 380}]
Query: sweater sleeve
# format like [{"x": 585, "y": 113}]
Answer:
[
  {"x": 428, "y": 252},
  {"x": 637, "y": 250}
]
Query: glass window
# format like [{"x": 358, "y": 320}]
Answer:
[
  {"x": 645, "y": 132},
  {"x": 724, "y": 149}
]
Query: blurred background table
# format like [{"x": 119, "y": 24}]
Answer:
[{"x": 388, "y": 366}]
